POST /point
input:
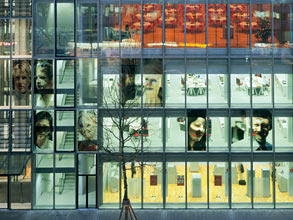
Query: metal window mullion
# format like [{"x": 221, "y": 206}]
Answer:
[
  {"x": 250, "y": 27},
  {"x": 142, "y": 184},
  {"x": 141, "y": 27},
  {"x": 185, "y": 106},
  {"x": 164, "y": 186},
  {"x": 185, "y": 28},
  {"x": 76, "y": 181},
  {"x": 163, "y": 28},
  {"x": 97, "y": 178},
  {"x": 274, "y": 158},
  {"x": 272, "y": 26},
  {"x": 164, "y": 103},
  {"x": 54, "y": 159},
  {"x": 119, "y": 18},
  {"x": 207, "y": 26}
]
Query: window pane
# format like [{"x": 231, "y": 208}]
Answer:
[
  {"x": 284, "y": 184},
  {"x": 153, "y": 134},
  {"x": 175, "y": 185},
  {"x": 5, "y": 38},
  {"x": 21, "y": 36},
  {"x": 65, "y": 131},
  {"x": 21, "y": 132},
  {"x": 152, "y": 25},
  {"x": 87, "y": 128},
  {"x": 130, "y": 29},
  {"x": 4, "y": 192},
  {"x": 262, "y": 185},
  {"x": 153, "y": 196},
  {"x": 4, "y": 83},
  {"x": 21, "y": 7},
  {"x": 240, "y": 185},
  {"x": 21, "y": 189},
  {"x": 175, "y": 134},
  {"x": 218, "y": 133},
  {"x": 261, "y": 26},
  {"x": 240, "y": 132},
  {"x": 44, "y": 82},
  {"x": 21, "y": 75},
  {"x": 152, "y": 81},
  {"x": 111, "y": 186},
  {"x": 283, "y": 130},
  {"x": 43, "y": 190},
  {"x": 239, "y": 29},
  {"x": 86, "y": 28},
  {"x": 44, "y": 27},
  {"x": 65, "y": 28},
  {"x": 87, "y": 85},
  {"x": 219, "y": 184},
  {"x": 43, "y": 131},
  {"x": 217, "y": 24},
  {"x": 218, "y": 83},
  {"x": 65, "y": 83},
  {"x": 197, "y": 196},
  {"x": 175, "y": 83},
  {"x": 4, "y": 9},
  {"x": 174, "y": 26},
  {"x": 65, "y": 190},
  {"x": 195, "y": 25}
]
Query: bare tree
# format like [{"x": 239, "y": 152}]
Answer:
[{"x": 120, "y": 105}]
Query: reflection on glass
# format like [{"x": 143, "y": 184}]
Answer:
[
  {"x": 21, "y": 37},
  {"x": 43, "y": 128},
  {"x": 152, "y": 25},
  {"x": 195, "y": 26},
  {"x": 283, "y": 131},
  {"x": 110, "y": 31},
  {"x": 217, "y": 23},
  {"x": 197, "y": 185},
  {"x": 174, "y": 25},
  {"x": 282, "y": 26},
  {"x": 65, "y": 83},
  {"x": 240, "y": 184},
  {"x": 219, "y": 184},
  {"x": 5, "y": 38},
  {"x": 240, "y": 132},
  {"x": 65, "y": 190},
  {"x": 130, "y": 28},
  {"x": 87, "y": 127},
  {"x": 87, "y": 85},
  {"x": 261, "y": 25},
  {"x": 43, "y": 27},
  {"x": 111, "y": 186},
  {"x": 175, "y": 134},
  {"x": 239, "y": 29},
  {"x": 21, "y": 74},
  {"x": 86, "y": 28},
  {"x": 284, "y": 184},
  {"x": 65, "y": 28},
  {"x": 262, "y": 185},
  {"x": 44, "y": 83},
  {"x": 175, "y": 185},
  {"x": 21, "y": 132}
]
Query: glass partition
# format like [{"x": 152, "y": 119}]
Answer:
[{"x": 22, "y": 37}]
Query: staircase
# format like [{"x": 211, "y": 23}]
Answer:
[{"x": 69, "y": 141}]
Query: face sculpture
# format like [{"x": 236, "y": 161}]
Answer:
[
  {"x": 43, "y": 129},
  {"x": 43, "y": 81},
  {"x": 261, "y": 128},
  {"x": 21, "y": 81},
  {"x": 88, "y": 126},
  {"x": 197, "y": 129}
]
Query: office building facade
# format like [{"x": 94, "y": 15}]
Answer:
[{"x": 204, "y": 90}]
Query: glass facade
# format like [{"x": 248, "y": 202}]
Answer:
[{"x": 203, "y": 90}]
